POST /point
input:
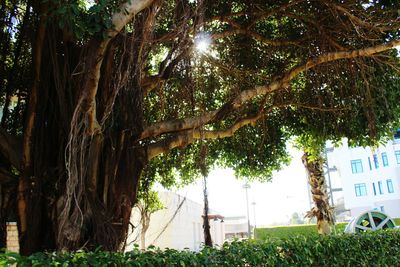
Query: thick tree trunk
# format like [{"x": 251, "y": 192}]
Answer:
[
  {"x": 113, "y": 165},
  {"x": 321, "y": 210},
  {"x": 26, "y": 165}
]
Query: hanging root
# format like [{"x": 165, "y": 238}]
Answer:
[{"x": 71, "y": 218}]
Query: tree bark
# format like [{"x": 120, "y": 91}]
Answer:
[
  {"x": 321, "y": 210},
  {"x": 26, "y": 166},
  {"x": 206, "y": 222},
  {"x": 145, "y": 221}
]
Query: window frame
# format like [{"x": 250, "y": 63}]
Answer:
[
  {"x": 385, "y": 160},
  {"x": 376, "y": 162},
  {"x": 397, "y": 155},
  {"x": 369, "y": 163},
  {"x": 355, "y": 164},
  {"x": 391, "y": 187},
  {"x": 360, "y": 189},
  {"x": 380, "y": 187}
]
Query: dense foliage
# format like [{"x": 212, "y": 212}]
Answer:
[{"x": 367, "y": 249}]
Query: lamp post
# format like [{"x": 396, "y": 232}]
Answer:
[
  {"x": 254, "y": 213},
  {"x": 247, "y": 186}
]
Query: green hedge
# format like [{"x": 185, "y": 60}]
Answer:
[
  {"x": 292, "y": 230},
  {"x": 380, "y": 248}
]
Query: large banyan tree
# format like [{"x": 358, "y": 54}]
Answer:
[{"x": 97, "y": 95}]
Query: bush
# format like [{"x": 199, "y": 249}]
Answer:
[
  {"x": 380, "y": 248},
  {"x": 292, "y": 230}
]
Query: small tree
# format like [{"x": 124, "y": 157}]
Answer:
[{"x": 148, "y": 203}]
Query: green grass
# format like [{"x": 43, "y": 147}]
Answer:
[
  {"x": 292, "y": 230},
  {"x": 297, "y": 230}
]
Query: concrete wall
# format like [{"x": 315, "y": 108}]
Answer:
[{"x": 175, "y": 227}]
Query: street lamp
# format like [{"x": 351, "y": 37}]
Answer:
[
  {"x": 247, "y": 186},
  {"x": 254, "y": 213}
]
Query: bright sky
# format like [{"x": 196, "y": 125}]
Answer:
[{"x": 275, "y": 201}]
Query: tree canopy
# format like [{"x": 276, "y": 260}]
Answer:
[{"x": 98, "y": 95}]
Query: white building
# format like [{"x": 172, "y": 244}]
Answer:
[
  {"x": 178, "y": 226},
  {"x": 236, "y": 227},
  {"x": 369, "y": 179}
]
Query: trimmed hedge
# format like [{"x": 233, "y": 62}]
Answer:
[
  {"x": 292, "y": 230},
  {"x": 380, "y": 248}
]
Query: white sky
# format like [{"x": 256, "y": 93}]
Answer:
[{"x": 275, "y": 201}]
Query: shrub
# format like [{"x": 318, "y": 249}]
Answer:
[{"x": 380, "y": 248}]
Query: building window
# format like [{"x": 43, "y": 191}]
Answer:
[
  {"x": 397, "y": 153},
  {"x": 380, "y": 187},
  {"x": 385, "y": 161},
  {"x": 369, "y": 163},
  {"x": 376, "y": 163},
  {"x": 373, "y": 187},
  {"x": 356, "y": 166},
  {"x": 361, "y": 189},
  {"x": 390, "y": 187}
]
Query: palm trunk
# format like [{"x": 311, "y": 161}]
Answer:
[{"x": 321, "y": 210}]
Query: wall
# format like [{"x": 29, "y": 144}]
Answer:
[
  {"x": 175, "y": 227},
  {"x": 12, "y": 237}
]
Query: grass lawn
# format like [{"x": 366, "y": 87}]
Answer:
[{"x": 296, "y": 230}]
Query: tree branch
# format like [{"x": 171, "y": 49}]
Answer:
[
  {"x": 195, "y": 122},
  {"x": 187, "y": 137},
  {"x": 367, "y": 25},
  {"x": 247, "y": 95},
  {"x": 87, "y": 101},
  {"x": 177, "y": 125},
  {"x": 190, "y": 136}
]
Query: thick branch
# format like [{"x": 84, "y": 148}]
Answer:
[
  {"x": 87, "y": 100},
  {"x": 177, "y": 125},
  {"x": 190, "y": 136},
  {"x": 187, "y": 137},
  {"x": 127, "y": 11},
  {"x": 10, "y": 148}
]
